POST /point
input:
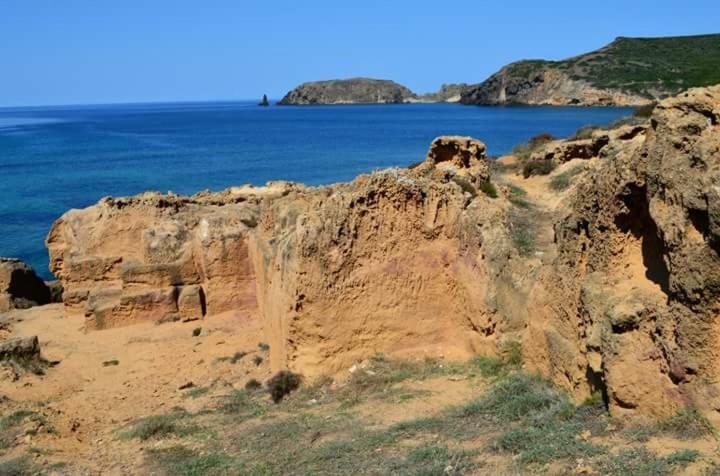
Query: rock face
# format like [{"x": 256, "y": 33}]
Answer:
[
  {"x": 395, "y": 261},
  {"x": 20, "y": 287},
  {"x": 630, "y": 305},
  {"x": 158, "y": 257},
  {"x": 627, "y": 72},
  {"x": 447, "y": 93},
  {"x": 538, "y": 83},
  {"x": 348, "y": 91}
]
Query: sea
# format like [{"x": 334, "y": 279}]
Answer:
[{"x": 56, "y": 158}]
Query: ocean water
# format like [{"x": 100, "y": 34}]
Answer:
[{"x": 56, "y": 158}]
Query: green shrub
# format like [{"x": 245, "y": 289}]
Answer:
[
  {"x": 253, "y": 385},
  {"x": 465, "y": 185},
  {"x": 488, "y": 188},
  {"x": 687, "y": 424},
  {"x": 564, "y": 180},
  {"x": 282, "y": 383},
  {"x": 154, "y": 426},
  {"x": 257, "y": 360},
  {"x": 538, "y": 167}
]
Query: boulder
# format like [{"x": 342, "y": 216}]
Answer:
[{"x": 20, "y": 287}]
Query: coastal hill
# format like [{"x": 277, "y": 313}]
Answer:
[
  {"x": 366, "y": 91},
  {"x": 628, "y": 71},
  {"x": 348, "y": 91}
]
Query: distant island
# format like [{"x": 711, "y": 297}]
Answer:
[
  {"x": 627, "y": 72},
  {"x": 365, "y": 91},
  {"x": 264, "y": 101}
]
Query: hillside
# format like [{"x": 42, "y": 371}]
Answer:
[
  {"x": 348, "y": 91},
  {"x": 629, "y": 71},
  {"x": 366, "y": 91}
]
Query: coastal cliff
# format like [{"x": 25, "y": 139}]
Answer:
[
  {"x": 627, "y": 72},
  {"x": 621, "y": 301}
]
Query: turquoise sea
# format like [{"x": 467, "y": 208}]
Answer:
[{"x": 56, "y": 158}]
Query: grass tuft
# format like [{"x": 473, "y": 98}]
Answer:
[
  {"x": 158, "y": 426},
  {"x": 563, "y": 181}
]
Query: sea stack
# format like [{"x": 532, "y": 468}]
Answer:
[{"x": 264, "y": 102}]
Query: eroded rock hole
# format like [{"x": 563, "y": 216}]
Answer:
[{"x": 639, "y": 222}]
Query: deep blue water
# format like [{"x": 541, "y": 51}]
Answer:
[{"x": 56, "y": 158}]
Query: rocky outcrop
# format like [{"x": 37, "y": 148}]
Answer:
[
  {"x": 630, "y": 305},
  {"x": 333, "y": 272},
  {"x": 421, "y": 261},
  {"x": 540, "y": 84},
  {"x": 601, "y": 143},
  {"x": 20, "y": 287},
  {"x": 399, "y": 261},
  {"x": 627, "y": 72},
  {"x": 158, "y": 257},
  {"x": 348, "y": 91},
  {"x": 447, "y": 93}
]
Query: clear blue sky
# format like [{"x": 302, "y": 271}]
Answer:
[{"x": 102, "y": 51}]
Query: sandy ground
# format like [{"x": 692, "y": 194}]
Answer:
[{"x": 86, "y": 402}]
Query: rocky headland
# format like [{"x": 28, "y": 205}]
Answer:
[
  {"x": 598, "y": 270},
  {"x": 627, "y": 72}
]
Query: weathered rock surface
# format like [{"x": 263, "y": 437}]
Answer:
[
  {"x": 630, "y": 305},
  {"x": 158, "y": 257},
  {"x": 420, "y": 262},
  {"x": 20, "y": 287},
  {"x": 348, "y": 91},
  {"x": 399, "y": 260}
]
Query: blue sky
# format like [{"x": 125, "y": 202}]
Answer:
[{"x": 82, "y": 51}]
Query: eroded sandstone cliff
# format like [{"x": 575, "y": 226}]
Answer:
[
  {"x": 421, "y": 262},
  {"x": 630, "y": 305}
]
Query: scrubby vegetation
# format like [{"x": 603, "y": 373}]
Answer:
[
  {"x": 488, "y": 188},
  {"x": 520, "y": 424},
  {"x": 641, "y": 65},
  {"x": 537, "y": 167},
  {"x": 563, "y": 180}
]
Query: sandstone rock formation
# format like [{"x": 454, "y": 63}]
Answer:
[
  {"x": 348, "y": 91},
  {"x": 20, "y": 287},
  {"x": 158, "y": 257},
  {"x": 399, "y": 260},
  {"x": 630, "y": 305},
  {"x": 420, "y": 261}
]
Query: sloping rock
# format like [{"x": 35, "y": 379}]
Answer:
[
  {"x": 20, "y": 287},
  {"x": 630, "y": 305}
]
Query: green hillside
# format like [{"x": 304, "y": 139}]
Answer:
[{"x": 641, "y": 64}]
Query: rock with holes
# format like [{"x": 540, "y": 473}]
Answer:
[
  {"x": 20, "y": 287},
  {"x": 458, "y": 156},
  {"x": 630, "y": 305}
]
